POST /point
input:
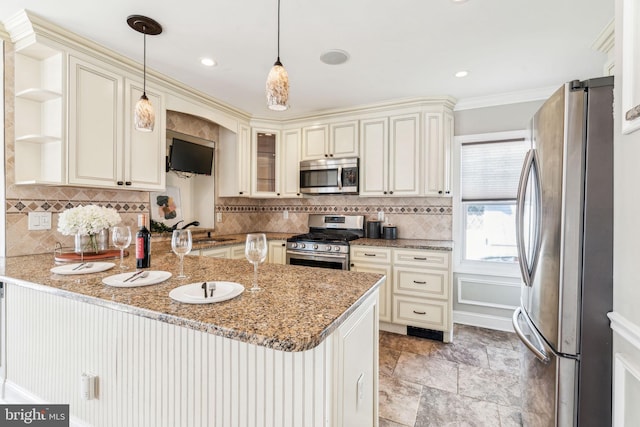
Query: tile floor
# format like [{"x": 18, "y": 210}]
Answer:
[{"x": 473, "y": 381}]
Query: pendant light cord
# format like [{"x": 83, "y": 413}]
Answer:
[
  {"x": 278, "y": 60},
  {"x": 144, "y": 62}
]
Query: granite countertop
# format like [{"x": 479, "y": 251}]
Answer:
[
  {"x": 433, "y": 245},
  {"x": 296, "y": 310}
]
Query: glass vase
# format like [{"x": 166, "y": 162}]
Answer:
[{"x": 92, "y": 243}]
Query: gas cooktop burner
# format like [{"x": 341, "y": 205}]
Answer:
[{"x": 324, "y": 237}]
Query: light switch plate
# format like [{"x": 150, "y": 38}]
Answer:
[
  {"x": 39, "y": 221},
  {"x": 285, "y": 214},
  {"x": 218, "y": 216}
]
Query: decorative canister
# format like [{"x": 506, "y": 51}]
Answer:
[
  {"x": 373, "y": 229},
  {"x": 390, "y": 232}
]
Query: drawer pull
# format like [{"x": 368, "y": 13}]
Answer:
[
  {"x": 420, "y": 259},
  {"x": 419, "y": 312},
  {"x": 419, "y": 283},
  {"x": 369, "y": 254}
]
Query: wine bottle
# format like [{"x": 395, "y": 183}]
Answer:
[{"x": 143, "y": 243}]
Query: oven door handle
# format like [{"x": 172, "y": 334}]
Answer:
[
  {"x": 316, "y": 255},
  {"x": 339, "y": 177}
]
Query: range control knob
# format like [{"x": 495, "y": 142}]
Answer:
[
  {"x": 315, "y": 246},
  {"x": 327, "y": 248},
  {"x": 294, "y": 245},
  {"x": 301, "y": 246},
  {"x": 336, "y": 248}
]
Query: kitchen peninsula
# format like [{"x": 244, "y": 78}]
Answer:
[{"x": 303, "y": 351}]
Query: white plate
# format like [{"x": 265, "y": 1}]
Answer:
[
  {"x": 118, "y": 280},
  {"x": 95, "y": 268},
  {"x": 194, "y": 294}
]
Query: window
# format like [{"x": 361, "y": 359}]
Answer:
[{"x": 489, "y": 176}]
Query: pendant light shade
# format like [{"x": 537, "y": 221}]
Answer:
[
  {"x": 278, "y": 81},
  {"x": 144, "y": 117}
]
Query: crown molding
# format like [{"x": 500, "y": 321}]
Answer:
[
  {"x": 26, "y": 28},
  {"x": 528, "y": 95},
  {"x": 606, "y": 40}
]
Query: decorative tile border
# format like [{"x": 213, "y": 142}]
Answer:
[
  {"x": 364, "y": 210},
  {"x": 21, "y": 206}
]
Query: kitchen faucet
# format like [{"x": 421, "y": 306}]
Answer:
[{"x": 194, "y": 223}]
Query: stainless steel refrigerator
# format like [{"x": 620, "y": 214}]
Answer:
[{"x": 565, "y": 250}]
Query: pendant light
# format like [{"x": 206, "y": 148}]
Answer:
[
  {"x": 278, "y": 81},
  {"x": 144, "y": 117}
]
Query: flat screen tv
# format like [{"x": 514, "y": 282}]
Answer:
[{"x": 189, "y": 157}]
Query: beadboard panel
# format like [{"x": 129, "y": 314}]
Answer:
[{"x": 157, "y": 374}]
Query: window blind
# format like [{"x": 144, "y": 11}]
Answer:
[{"x": 490, "y": 171}]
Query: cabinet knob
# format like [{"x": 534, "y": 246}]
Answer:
[
  {"x": 390, "y": 192},
  {"x": 297, "y": 194},
  {"x": 440, "y": 192},
  {"x": 284, "y": 244},
  {"x": 384, "y": 192},
  {"x": 127, "y": 183},
  {"x": 277, "y": 194},
  {"x": 353, "y": 265},
  {"x": 330, "y": 155},
  {"x": 326, "y": 155},
  {"x": 447, "y": 192},
  {"x": 120, "y": 183},
  {"x": 240, "y": 192}
]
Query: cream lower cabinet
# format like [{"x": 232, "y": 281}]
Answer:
[
  {"x": 103, "y": 148},
  {"x": 277, "y": 252},
  {"x": 418, "y": 287},
  {"x": 422, "y": 290},
  {"x": 366, "y": 259}
]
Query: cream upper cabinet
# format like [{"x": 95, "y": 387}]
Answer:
[
  {"x": 95, "y": 124},
  {"x": 104, "y": 149},
  {"x": 315, "y": 142},
  {"x": 289, "y": 159},
  {"x": 144, "y": 152},
  {"x": 275, "y": 158},
  {"x": 438, "y": 135},
  {"x": 374, "y": 168},
  {"x": 333, "y": 140},
  {"x": 404, "y": 155},
  {"x": 233, "y": 158},
  {"x": 344, "y": 140},
  {"x": 390, "y": 156}
]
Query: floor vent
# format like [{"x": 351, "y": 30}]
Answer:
[{"x": 424, "y": 333}]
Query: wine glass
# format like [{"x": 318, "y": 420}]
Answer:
[
  {"x": 181, "y": 245},
  {"x": 121, "y": 239},
  {"x": 255, "y": 250}
]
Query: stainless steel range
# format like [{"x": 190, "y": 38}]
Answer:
[{"x": 327, "y": 243}]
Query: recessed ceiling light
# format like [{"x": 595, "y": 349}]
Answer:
[
  {"x": 462, "y": 74},
  {"x": 334, "y": 57},
  {"x": 459, "y": 1},
  {"x": 207, "y": 62}
]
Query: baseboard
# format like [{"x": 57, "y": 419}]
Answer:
[
  {"x": 483, "y": 320},
  {"x": 13, "y": 393},
  {"x": 392, "y": 327}
]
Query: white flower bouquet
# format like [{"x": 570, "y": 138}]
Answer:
[
  {"x": 87, "y": 220},
  {"x": 90, "y": 220}
]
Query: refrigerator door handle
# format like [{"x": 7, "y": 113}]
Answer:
[
  {"x": 529, "y": 170},
  {"x": 536, "y": 348}
]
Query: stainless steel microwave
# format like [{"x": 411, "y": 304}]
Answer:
[{"x": 329, "y": 176}]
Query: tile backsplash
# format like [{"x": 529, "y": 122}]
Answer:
[{"x": 415, "y": 217}]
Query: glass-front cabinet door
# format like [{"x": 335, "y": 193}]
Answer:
[{"x": 264, "y": 161}]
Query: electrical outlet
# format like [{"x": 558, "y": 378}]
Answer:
[
  {"x": 285, "y": 214},
  {"x": 39, "y": 221},
  {"x": 219, "y": 217},
  {"x": 380, "y": 216}
]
